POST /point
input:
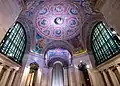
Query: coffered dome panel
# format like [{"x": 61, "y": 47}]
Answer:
[{"x": 58, "y": 20}]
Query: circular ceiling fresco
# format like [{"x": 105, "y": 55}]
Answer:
[{"x": 58, "y": 20}]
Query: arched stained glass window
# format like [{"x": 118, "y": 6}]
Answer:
[
  {"x": 103, "y": 43},
  {"x": 14, "y": 43}
]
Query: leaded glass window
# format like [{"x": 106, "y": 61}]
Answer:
[
  {"x": 14, "y": 42},
  {"x": 103, "y": 43}
]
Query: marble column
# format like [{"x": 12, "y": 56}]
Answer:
[
  {"x": 95, "y": 77},
  {"x": 38, "y": 80},
  {"x": 100, "y": 78},
  {"x": 5, "y": 77},
  {"x": 50, "y": 76},
  {"x": 65, "y": 77},
  {"x": 77, "y": 75},
  {"x": 106, "y": 79},
  {"x": 28, "y": 79},
  {"x": 44, "y": 77},
  {"x": 25, "y": 76},
  {"x": 47, "y": 77},
  {"x": 113, "y": 78},
  {"x": 32, "y": 78},
  {"x": 71, "y": 74},
  {"x": 92, "y": 77},
  {"x": 12, "y": 78}
]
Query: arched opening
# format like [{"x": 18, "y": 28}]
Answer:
[
  {"x": 14, "y": 43},
  {"x": 103, "y": 43},
  {"x": 57, "y": 75}
]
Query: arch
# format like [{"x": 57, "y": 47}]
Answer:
[
  {"x": 58, "y": 62},
  {"x": 30, "y": 31},
  {"x": 87, "y": 29},
  {"x": 103, "y": 44},
  {"x": 58, "y": 44},
  {"x": 14, "y": 42},
  {"x": 63, "y": 61}
]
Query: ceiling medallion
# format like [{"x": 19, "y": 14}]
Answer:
[
  {"x": 43, "y": 11},
  {"x": 59, "y": 8},
  {"x": 72, "y": 22},
  {"x": 73, "y": 11},
  {"x": 58, "y": 20}
]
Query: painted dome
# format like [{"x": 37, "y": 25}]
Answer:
[{"x": 58, "y": 20}]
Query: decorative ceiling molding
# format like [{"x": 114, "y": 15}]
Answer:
[
  {"x": 58, "y": 44},
  {"x": 27, "y": 24},
  {"x": 76, "y": 15},
  {"x": 87, "y": 29},
  {"x": 58, "y": 20}
]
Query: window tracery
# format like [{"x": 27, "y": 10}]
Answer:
[
  {"x": 14, "y": 43},
  {"x": 104, "y": 46}
]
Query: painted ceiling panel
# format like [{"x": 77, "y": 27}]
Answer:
[{"x": 58, "y": 21}]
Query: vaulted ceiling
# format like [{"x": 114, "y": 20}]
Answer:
[{"x": 62, "y": 20}]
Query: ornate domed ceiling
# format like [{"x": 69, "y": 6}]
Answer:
[
  {"x": 51, "y": 21},
  {"x": 58, "y": 20}
]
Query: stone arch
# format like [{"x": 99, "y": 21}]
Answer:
[
  {"x": 88, "y": 27},
  {"x": 58, "y": 44},
  {"x": 52, "y": 61},
  {"x": 28, "y": 25}
]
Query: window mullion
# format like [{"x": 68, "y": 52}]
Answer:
[
  {"x": 18, "y": 47},
  {"x": 110, "y": 36},
  {"x": 13, "y": 40},
  {"x": 104, "y": 46},
  {"x": 105, "y": 40}
]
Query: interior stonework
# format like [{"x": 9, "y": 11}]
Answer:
[{"x": 59, "y": 50}]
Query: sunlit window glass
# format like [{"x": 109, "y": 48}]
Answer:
[
  {"x": 103, "y": 43},
  {"x": 14, "y": 43}
]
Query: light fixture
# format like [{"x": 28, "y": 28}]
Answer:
[
  {"x": 114, "y": 32},
  {"x": 87, "y": 66},
  {"x": 81, "y": 61}
]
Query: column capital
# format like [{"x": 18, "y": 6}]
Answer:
[
  {"x": 14, "y": 68},
  {"x": 109, "y": 69},
  {"x": 105, "y": 70},
  {"x": 2, "y": 64}
]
